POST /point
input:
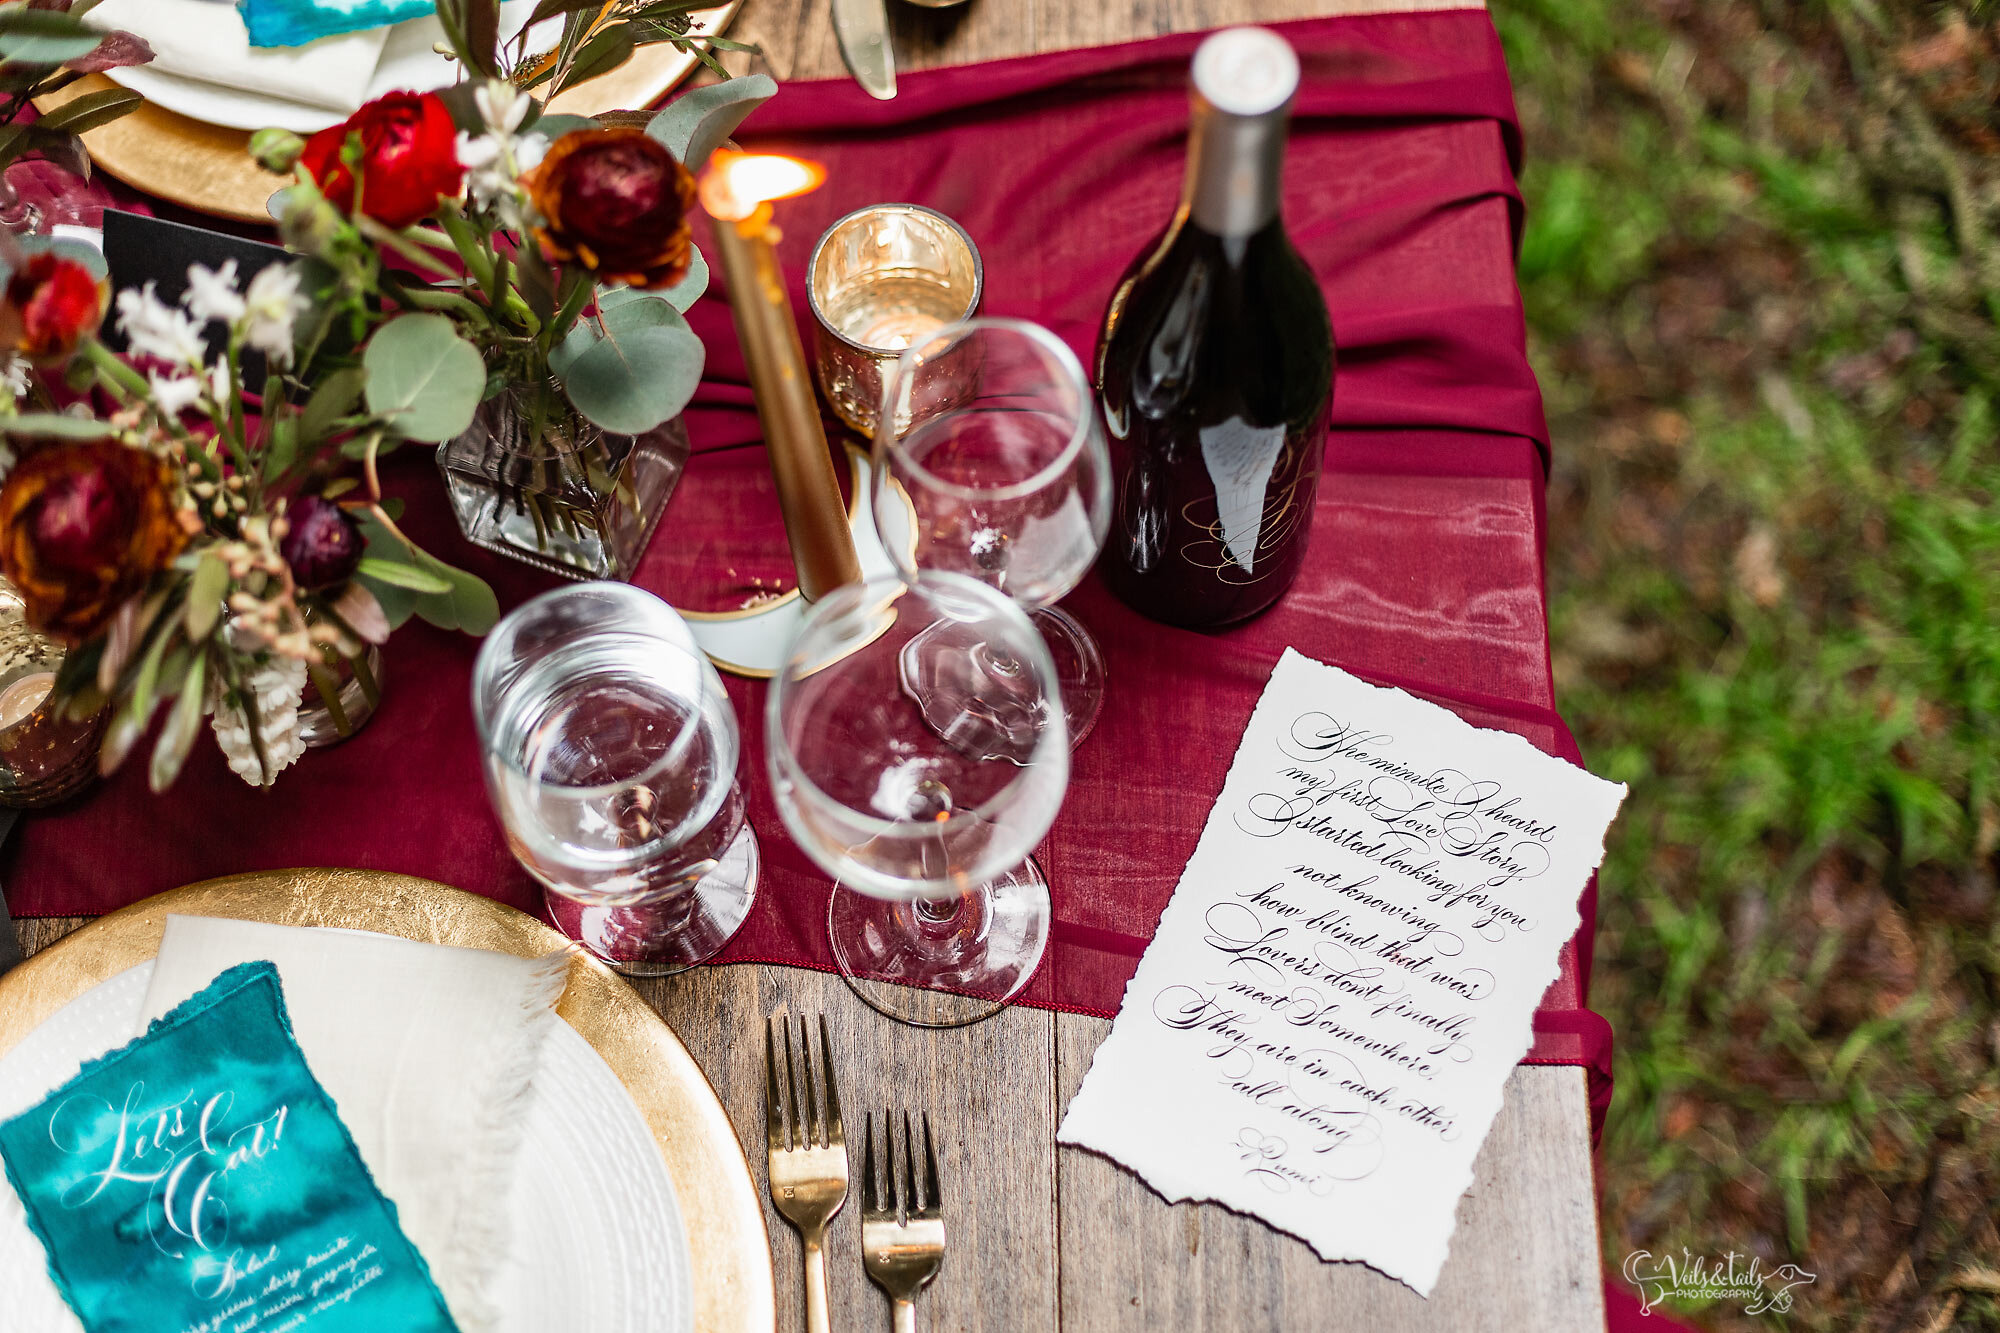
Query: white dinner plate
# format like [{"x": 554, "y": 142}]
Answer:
[
  {"x": 408, "y": 61},
  {"x": 599, "y": 1245}
]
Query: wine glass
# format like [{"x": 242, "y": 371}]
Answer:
[
  {"x": 924, "y": 818},
  {"x": 988, "y": 451},
  {"x": 610, "y": 753}
]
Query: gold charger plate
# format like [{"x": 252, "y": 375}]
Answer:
[
  {"x": 729, "y": 1250},
  {"x": 208, "y": 167}
]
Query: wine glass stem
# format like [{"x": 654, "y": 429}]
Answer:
[{"x": 937, "y": 916}]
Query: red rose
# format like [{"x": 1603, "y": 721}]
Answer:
[
  {"x": 409, "y": 159},
  {"x": 616, "y": 202},
  {"x": 52, "y": 303},
  {"x": 83, "y": 528}
]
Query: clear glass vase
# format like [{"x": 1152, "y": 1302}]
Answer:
[
  {"x": 17, "y": 213},
  {"x": 356, "y": 687},
  {"x": 535, "y": 481}
]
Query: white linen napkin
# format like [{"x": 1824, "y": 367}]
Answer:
[
  {"x": 205, "y": 40},
  {"x": 429, "y": 1053}
]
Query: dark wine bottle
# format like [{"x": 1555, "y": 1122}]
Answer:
[{"x": 1215, "y": 365}]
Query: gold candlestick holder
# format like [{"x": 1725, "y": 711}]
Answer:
[{"x": 881, "y": 279}]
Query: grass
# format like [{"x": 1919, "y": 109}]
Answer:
[{"x": 1762, "y": 287}]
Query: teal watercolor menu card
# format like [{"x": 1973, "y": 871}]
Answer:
[
  {"x": 296, "y": 22},
  {"x": 198, "y": 1180}
]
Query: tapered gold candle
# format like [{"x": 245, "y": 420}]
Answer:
[{"x": 737, "y": 191}]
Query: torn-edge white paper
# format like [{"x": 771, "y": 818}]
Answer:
[{"x": 1321, "y": 1031}]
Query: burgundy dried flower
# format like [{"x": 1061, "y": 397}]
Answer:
[{"x": 322, "y": 544}]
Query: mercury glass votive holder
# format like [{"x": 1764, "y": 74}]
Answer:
[
  {"x": 882, "y": 278},
  {"x": 45, "y": 756}
]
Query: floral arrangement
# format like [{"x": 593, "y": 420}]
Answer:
[
  {"x": 44, "y": 47},
  {"x": 201, "y": 548},
  {"x": 212, "y": 547},
  {"x": 555, "y": 248}
]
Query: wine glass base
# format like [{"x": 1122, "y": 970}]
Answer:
[
  {"x": 944, "y": 968},
  {"x": 1079, "y": 668},
  {"x": 658, "y": 939}
]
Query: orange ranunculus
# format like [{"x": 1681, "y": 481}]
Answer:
[
  {"x": 83, "y": 528},
  {"x": 52, "y": 304},
  {"x": 408, "y": 164},
  {"x": 616, "y": 202}
]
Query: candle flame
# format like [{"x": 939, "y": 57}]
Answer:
[{"x": 736, "y": 184}]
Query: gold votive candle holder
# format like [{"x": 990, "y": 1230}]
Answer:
[
  {"x": 45, "y": 755},
  {"x": 883, "y": 278}
]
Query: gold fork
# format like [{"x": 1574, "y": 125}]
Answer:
[
  {"x": 808, "y": 1159},
  {"x": 902, "y": 1237}
]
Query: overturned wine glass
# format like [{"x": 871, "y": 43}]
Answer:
[{"x": 988, "y": 452}]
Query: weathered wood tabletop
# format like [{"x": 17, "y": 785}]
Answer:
[{"x": 1045, "y": 1239}]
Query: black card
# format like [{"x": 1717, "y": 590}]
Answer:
[{"x": 140, "y": 249}]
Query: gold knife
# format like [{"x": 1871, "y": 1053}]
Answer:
[{"x": 862, "y": 26}]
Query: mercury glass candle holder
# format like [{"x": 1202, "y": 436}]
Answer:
[
  {"x": 45, "y": 756},
  {"x": 882, "y": 278}
]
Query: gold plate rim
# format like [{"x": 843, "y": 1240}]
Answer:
[
  {"x": 208, "y": 168},
  {"x": 728, "y": 1246}
]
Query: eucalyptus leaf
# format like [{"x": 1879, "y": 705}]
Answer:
[
  {"x": 630, "y": 383},
  {"x": 469, "y": 605},
  {"x": 423, "y": 377},
  {"x": 146, "y": 685},
  {"x": 70, "y": 248},
  {"x": 556, "y": 126},
  {"x": 683, "y": 294},
  {"x": 695, "y": 124},
  {"x": 401, "y": 575},
  {"x": 548, "y": 9},
  {"x": 40, "y": 20},
  {"x": 281, "y": 444},
  {"x": 44, "y": 36},
  {"x": 91, "y": 110},
  {"x": 35, "y": 49},
  {"x": 177, "y": 736},
  {"x": 204, "y": 599},
  {"x": 54, "y": 425},
  {"x": 606, "y": 50},
  {"x": 398, "y": 604},
  {"x": 336, "y": 397},
  {"x": 622, "y": 311}
]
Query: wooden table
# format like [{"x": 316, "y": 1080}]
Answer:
[{"x": 1043, "y": 1239}]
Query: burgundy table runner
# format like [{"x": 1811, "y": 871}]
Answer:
[{"x": 1426, "y": 562}]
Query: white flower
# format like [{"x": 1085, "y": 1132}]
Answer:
[
  {"x": 276, "y": 687},
  {"x": 174, "y": 396},
  {"x": 15, "y": 374},
  {"x": 501, "y": 105},
  {"x": 529, "y": 150},
  {"x": 494, "y": 162},
  {"x": 212, "y": 294},
  {"x": 478, "y": 152},
  {"x": 154, "y": 328},
  {"x": 271, "y": 307}
]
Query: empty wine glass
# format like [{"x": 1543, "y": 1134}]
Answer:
[
  {"x": 925, "y": 819},
  {"x": 987, "y": 449},
  {"x": 610, "y": 754}
]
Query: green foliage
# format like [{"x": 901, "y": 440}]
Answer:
[
  {"x": 1760, "y": 286},
  {"x": 638, "y": 369},
  {"x": 423, "y": 377},
  {"x": 43, "y": 48},
  {"x": 696, "y": 123}
]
